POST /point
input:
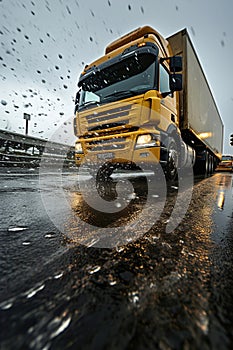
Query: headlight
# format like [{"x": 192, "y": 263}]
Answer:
[
  {"x": 78, "y": 147},
  {"x": 143, "y": 139},
  {"x": 147, "y": 140}
]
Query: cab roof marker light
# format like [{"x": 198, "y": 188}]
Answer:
[{"x": 141, "y": 44}]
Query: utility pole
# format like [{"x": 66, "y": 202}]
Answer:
[{"x": 27, "y": 117}]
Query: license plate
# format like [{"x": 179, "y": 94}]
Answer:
[{"x": 109, "y": 155}]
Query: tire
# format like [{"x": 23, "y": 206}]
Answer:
[
  {"x": 105, "y": 171},
  {"x": 211, "y": 165},
  {"x": 104, "y": 183},
  {"x": 171, "y": 170},
  {"x": 201, "y": 166},
  {"x": 207, "y": 164}
]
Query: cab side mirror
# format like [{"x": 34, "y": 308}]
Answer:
[
  {"x": 176, "y": 64},
  {"x": 76, "y": 102},
  {"x": 175, "y": 81}
]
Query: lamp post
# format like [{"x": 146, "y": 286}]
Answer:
[{"x": 27, "y": 117}]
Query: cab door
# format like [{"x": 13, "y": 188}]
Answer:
[{"x": 168, "y": 102}]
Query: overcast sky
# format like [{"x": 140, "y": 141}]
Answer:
[{"x": 45, "y": 44}]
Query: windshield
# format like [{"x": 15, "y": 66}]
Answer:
[{"x": 128, "y": 77}]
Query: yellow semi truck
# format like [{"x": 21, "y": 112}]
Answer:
[{"x": 147, "y": 100}]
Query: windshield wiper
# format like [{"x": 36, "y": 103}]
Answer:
[
  {"x": 121, "y": 93},
  {"x": 88, "y": 103}
]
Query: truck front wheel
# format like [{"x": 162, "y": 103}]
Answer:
[{"x": 171, "y": 170}]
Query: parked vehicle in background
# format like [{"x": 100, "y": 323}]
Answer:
[{"x": 226, "y": 163}]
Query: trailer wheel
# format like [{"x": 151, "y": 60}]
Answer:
[
  {"x": 202, "y": 164},
  {"x": 171, "y": 170},
  {"x": 211, "y": 165}
]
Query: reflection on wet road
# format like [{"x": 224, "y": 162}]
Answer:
[{"x": 160, "y": 291}]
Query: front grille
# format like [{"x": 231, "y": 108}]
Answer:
[
  {"x": 120, "y": 113},
  {"x": 111, "y": 144},
  {"x": 106, "y": 130}
]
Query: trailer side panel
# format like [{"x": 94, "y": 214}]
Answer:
[{"x": 199, "y": 113}]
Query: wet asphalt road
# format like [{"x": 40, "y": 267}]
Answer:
[{"x": 60, "y": 290}]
